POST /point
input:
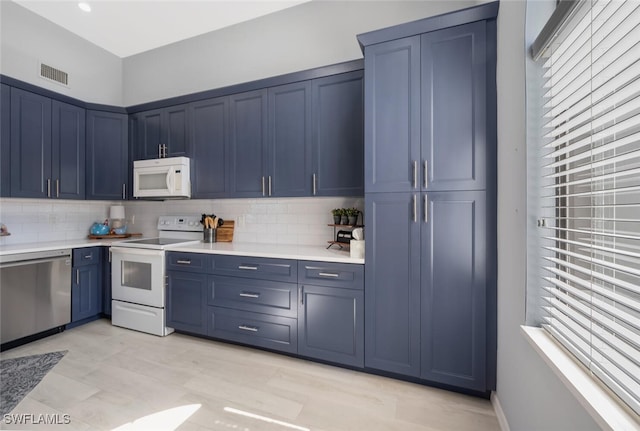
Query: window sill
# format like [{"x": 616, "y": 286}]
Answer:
[{"x": 604, "y": 407}]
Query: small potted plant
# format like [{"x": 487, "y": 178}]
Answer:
[
  {"x": 337, "y": 214},
  {"x": 352, "y": 214},
  {"x": 344, "y": 217}
]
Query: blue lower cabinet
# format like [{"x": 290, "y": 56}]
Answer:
[
  {"x": 260, "y": 296},
  {"x": 106, "y": 281},
  {"x": 256, "y": 329},
  {"x": 454, "y": 289},
  {"x": 187, "y": 302},
  {"x": 86, "y": 286},
  {"x": 331, "y": 324}
]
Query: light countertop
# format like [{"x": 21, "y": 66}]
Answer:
[
  {"x": 279, "y": 251},
  {"x": 53, "y": 245}
]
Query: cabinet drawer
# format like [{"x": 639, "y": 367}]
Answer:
[
  {"x": 192, "y": 262},
  {"x": 262, "y": 330},
  {"x": 270, "y": 297},
  {"x": 86, "y": 256},
  {"x": 256, "y": 267},
  {"x": 344, "y": 275}
]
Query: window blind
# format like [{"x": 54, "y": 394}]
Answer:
[{"x": 589, "y": 190}]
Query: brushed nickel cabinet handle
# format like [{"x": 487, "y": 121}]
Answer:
[
  {"x": 415, "y": 174},
  {"x": 426, "y": 209},
  {"x": 247, "y": 267},
  {"x": 426, "y": 175},
  {"x": 415, "y": 208},
  {"x": 159, "y": 151},
  {"x": 248, "y": 328},
  {"x": 269, "y": 185},
  {"x": 315, "y": 184},
  {"x": 78, "y": 277},
  {"x": 48, "y": 187},
  {"x": 328, "y": 274},
  {"x": 124, "y": 192},
  {"x": 249, "y": 295},
  {"x": 183, "y": 262},
  {"x": 57, "y": 188},
  {"x": 263, "y": 188}
]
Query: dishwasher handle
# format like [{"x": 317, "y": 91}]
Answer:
[{"x": 35, "y": 261}]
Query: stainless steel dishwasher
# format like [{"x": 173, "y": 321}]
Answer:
[{"x": 35, "y": 293}]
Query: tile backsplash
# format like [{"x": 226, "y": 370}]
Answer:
[{"x": 274, "y": 220}]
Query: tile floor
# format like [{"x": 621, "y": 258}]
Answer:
[{"x": 113, "y": 378}]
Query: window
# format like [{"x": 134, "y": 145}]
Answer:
[{"x": 587, "y": 259}]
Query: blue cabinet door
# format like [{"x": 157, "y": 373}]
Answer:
[
  {"x": 392, "y": 283},
  {"x": 454, "y": 108},
  {"x": 209, "y": 135},
  {"x": 86, "y": 292},
  {"x": 289, "y": 155},
  {"x": 335, "y": 336},
  {"x": 5, "y": 140},
  {"x": 392, "y": 115},
  {"x": 107, "y": 166},
  {"x": 106, "y": 281},
  {"x": 161, "y": 133},
  {"x": 453, "y": 290},
  {"x": 187, "y": 302},
  {"x": 175, "y": 130},
  {"x": 148, "y": 135},
  {"x": 68, "y": 151},
  {"x": 338, "y": 135},
  {"x": 30, "y": 145},
  {"x": 248, "y": 137}
]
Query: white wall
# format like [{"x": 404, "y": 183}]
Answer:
[
  {"x": 313, "y": 34},
  {"x": 531, "y": 396},
  {"x": 95, "y": 75}
]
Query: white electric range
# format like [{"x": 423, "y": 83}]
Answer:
[{"x": 138, "y": 274}]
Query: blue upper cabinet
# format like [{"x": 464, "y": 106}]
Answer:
[
  {"x": 392, "y": 116},
  {"x": 161, "y": 133},
  {"x": 30, "y": 145},
  {"x": 248, "y": 149},
  {"x": 338, "y": 135},
  {"x": 47, "y": 147},
  {"x": 209, "y": 135},
  {"x": 107, "y": 156},
  {"x": 454, "y": 108},
  {"x": 289, "y": 154},
  {"x": 5, "y": 140},
  {"x": 426, "y": 122},
  {"x": 68, "y": 155}
]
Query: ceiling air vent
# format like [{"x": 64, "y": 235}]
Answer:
[{"x": 53, "y": 74}]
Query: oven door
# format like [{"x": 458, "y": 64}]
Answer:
[{"x": 138, "y": 275}]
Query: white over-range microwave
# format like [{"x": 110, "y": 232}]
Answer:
[{"x": 168, "y": 178}]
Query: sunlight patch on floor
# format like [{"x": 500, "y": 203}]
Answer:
[
  {"x": 265, "y": 419},
  {"x": 166, "y": 420}
]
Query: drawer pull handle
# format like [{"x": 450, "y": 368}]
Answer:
[
  {"x": 328, "y": 274},
  {"x": 88, "y": 256},
  {"x": 249, "y": 295},
  {"x": 183, "y": 262},
  {"x": 250, "y": 268},
  {"x": 248, "y": 328}
]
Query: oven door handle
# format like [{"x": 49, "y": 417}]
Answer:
[{"x": 137, "y": 251}]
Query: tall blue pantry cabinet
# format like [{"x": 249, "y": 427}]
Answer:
[{"x": 430, "y": 199}]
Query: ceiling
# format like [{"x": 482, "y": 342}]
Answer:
[{"x": 125, "y": 28}]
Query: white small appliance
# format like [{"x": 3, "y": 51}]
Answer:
[
  {"x": 168, "y": 178},
  {"x": 138, "y": 274}
]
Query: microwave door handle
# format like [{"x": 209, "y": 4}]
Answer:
[{"x": 171, "y": 179}]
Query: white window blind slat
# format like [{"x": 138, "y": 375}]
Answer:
[{"x": 588, "y": 192}]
